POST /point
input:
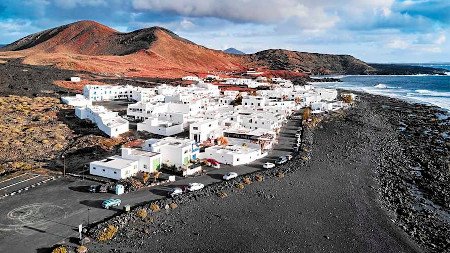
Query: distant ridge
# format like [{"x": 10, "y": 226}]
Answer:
[
  {"x": 232, "y": 50},
  {"x": 158, "y": 52}
]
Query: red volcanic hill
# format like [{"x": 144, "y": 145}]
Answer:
[{"x": 156, "y": 52}]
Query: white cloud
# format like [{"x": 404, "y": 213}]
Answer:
[
  {"x": 310, "y": 14},
  {"x": 441, "y": 39},
  {"x": 70, "y": 4},
  {"x": 187, "y": 24},
  {"x": 398, "y": 44}
]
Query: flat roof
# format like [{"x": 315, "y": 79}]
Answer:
[
  {"x": 115, "y": 162},
  {"x": 140, "y": 152}
]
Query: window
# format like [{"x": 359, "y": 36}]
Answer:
[
  {"x": 115, "y": 172},
  {"x": 237, "y": 159},
  {"x": 195, "y": 128},
  {"x": 94, "y": 168},
  {"x": 103, "y": 170}
]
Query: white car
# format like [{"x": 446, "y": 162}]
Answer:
[
  {"x": 268, "y": 165},
  {"x": 195, "y": 187},
  {"x": 229, "y": 175}
]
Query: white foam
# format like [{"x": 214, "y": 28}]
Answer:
[{"x": 381, "y": 86}]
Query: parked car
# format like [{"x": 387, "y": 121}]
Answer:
[
  {"x": 297, "y": 135},
  {"x": 229, "y": 175},
  {"x": 111, "y": 203},
  {"x": 268, "y": 165},
  {"x": 175, "y": 192},
  {"x": 94, "y": 188},
  {"x": 281, "y": 160},
  {"x": 289, "y": 157},
  {"x": 195, "y": 187}
]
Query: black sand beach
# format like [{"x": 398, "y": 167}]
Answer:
[{"x": 359, "y": 192}]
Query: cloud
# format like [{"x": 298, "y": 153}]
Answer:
[{"x": 307, "y": 14}]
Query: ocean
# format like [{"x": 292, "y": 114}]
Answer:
[{"x": 434, "y": 90}]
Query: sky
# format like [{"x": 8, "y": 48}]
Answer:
[{"x": 372, "y": 30}]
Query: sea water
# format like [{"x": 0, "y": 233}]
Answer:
[{"x": 427, "y": 89}]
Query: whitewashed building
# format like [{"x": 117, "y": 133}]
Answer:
[
  {"x": 206, "y": 129},
  {"x": 147, "y": 161},
  {"x": 76, "y": 101},
  {"x": 114, "y": 167},
  {"x": 174, "y": 151},
  {"x": 107, "y": 121}
]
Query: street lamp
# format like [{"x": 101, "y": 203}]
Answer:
[
  {"x": 64, "y": 165},
  {"x": 89, "y": 209}
]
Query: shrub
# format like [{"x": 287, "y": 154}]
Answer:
[
  {"x": 60, "y": 249},
  {"x": 347, "y": 99},
  {"x": 259, "y": 178},
  {"x": 154, "y": 207},
  {"x": 280, "y": 174},
  {"x": 239, "y": 186},
  {"x": 141, "y": 213},
  {"x": 173, "y": 205},
  {"x": 222, "y": 195},
  {"x": 108, "y": 233},
  {"x": 247, "y": 180},
  {"x": 82, "y": 249}
]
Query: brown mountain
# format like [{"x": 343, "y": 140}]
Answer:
[{"x": 158, "y": 52}]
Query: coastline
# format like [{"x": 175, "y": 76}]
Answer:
[{"x": 356, "y": 184}]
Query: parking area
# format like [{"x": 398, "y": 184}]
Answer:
[
  {"x": 21, "y": 182},
  {"x": 51, "y": 214}
]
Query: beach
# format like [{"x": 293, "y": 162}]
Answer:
[{"x": 375, "y": 178}]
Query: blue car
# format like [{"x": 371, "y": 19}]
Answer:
[{"x": 111, "y": 203}]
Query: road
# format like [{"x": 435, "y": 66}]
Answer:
[{"x": 50, "y": 214}]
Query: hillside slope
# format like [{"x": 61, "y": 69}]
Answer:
[{"x": 158, "y": 52}]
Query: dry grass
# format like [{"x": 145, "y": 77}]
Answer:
[
  {"x": 31, "y": 132},
  {"x": 108, "y": 233},
  {"x": 154, "y": 207}
]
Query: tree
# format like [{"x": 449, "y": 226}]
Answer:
[
  {"x": 156, "y": 175},
  {"x": 306, "y": 113},
  {"x": 223, "y": 141},
  {"x": 145, "y": 177}
]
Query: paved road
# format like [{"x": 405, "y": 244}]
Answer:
[{"x": 50, "y": 214}]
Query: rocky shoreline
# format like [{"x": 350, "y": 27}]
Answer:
[{"x": 383, "y": 160}]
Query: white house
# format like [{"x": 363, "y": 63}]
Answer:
[
  {"x": 234, "y": 154},
  {"x": 107, "y": 121},
  {"x": 258, "y": 101},
  {"x": 76, "y": 101},
  {"x": 174, "y": 151},
  {"x": 114, "y": 167},
  {"x": 202, "y": 130},
  {"x": 190, "y": 78},
  {"x": 318, "y": 107},
  {"x": 160, "y": 127},
  {"x": 147, "y": 161},
  {"x": 108, "y": 92},
  {"x": 75, "y": 79}
]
